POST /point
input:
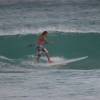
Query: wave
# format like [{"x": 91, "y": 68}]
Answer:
[
  {"x": 27, "y": 63},
  {"x": 66, "y": 44},
  {"x": 16, "y": 50},
  {"x": 51, "y": 29}
]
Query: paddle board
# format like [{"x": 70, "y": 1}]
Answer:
[
  {"x": 63, "y": 62},
  {"x": 68, "y": 61}
]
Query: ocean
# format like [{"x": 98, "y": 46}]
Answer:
[{"x": 74, "y": 28}]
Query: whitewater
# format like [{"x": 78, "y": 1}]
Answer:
[{"x": 74, "y": 29}]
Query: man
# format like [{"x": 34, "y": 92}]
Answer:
[{"x": 40, "y": 49}]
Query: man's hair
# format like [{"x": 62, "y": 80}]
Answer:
[{"x": 44, "y": 33}]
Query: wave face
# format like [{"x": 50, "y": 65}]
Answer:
[{"x": 65, "y": 45}]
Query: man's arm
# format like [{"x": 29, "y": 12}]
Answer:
[{"x": 48, "y": 42}]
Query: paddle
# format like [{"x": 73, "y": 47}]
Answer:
[{"x": 31, "y": 45}]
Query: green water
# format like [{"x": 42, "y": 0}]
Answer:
[{"x": 64, "y": 45}]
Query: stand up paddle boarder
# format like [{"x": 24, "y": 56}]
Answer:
[{"x": 40, "y": 49}]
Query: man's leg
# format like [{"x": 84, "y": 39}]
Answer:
[
  {"x": 37, "y": 58},
  {"x": 47, "y": 55},
  {"x": 38, "y": 54}
]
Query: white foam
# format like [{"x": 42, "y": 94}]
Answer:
[
  {"x": 38, "y": 30},
  {"x": 5, "y": 58}
]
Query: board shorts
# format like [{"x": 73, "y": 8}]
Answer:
[{"x": 40, "y": 50}]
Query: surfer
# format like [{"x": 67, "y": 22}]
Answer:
[{"x": 40, "y": 49}]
